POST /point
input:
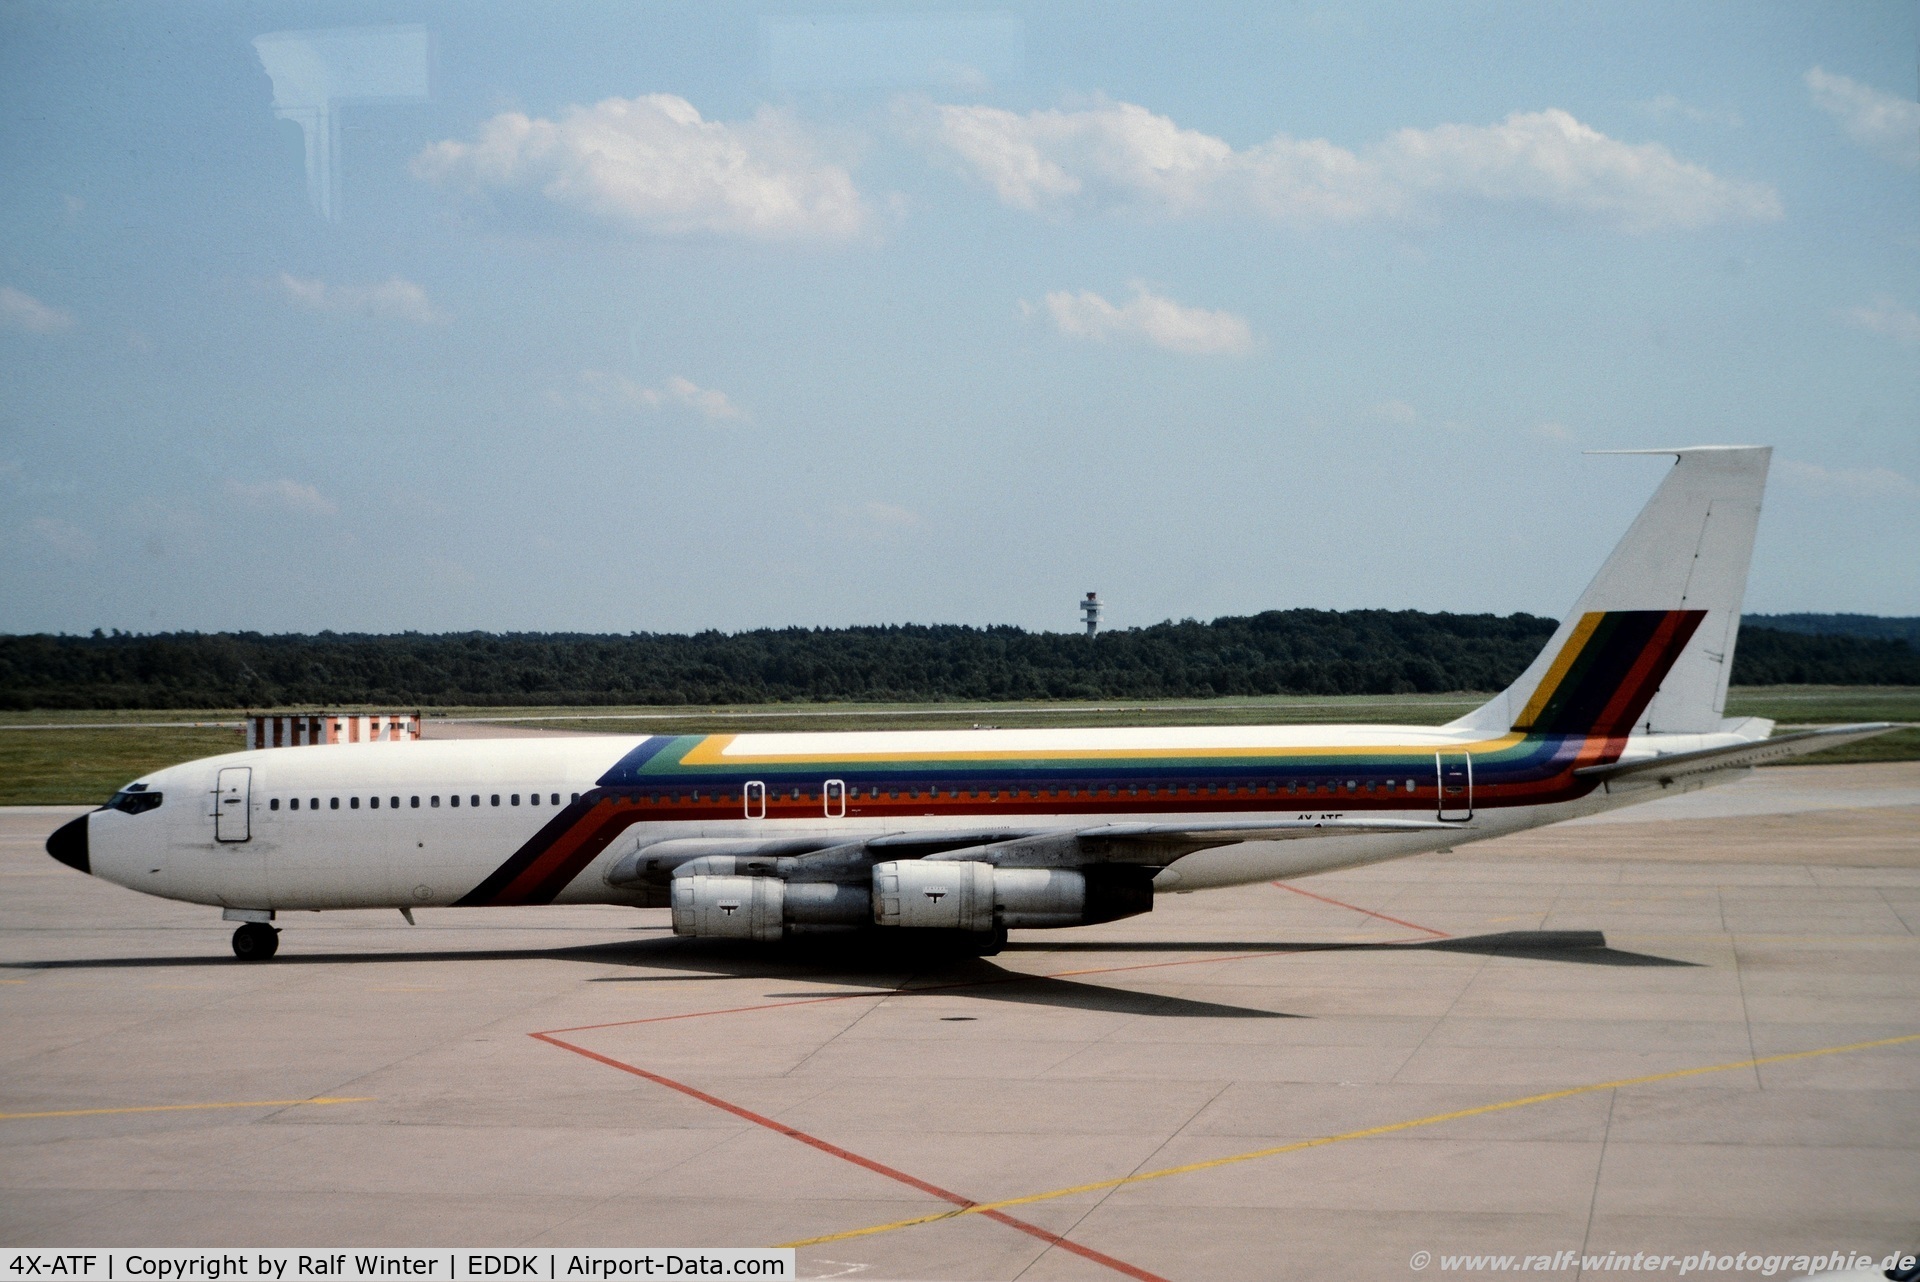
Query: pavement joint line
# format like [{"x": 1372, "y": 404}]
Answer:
[
  {"x": 189, "y": 1108},
  {"x": 867, "y": 1163},
  {"x": 1438, "y": 934},
  {"x": 984, "y": 1208}
]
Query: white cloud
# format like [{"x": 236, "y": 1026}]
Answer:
[
  {"x": 287, "y": 495},
  {"x": 1151, "y": 318},
  {"x": 23, "y": 312},
  {"x": 654, "y": 165},
  {"x": 1120, "y": 155},
  {"x": 872, "y": 521},
  {"x": 1851, "y": 483},
  {"x": 604, "y": 393},
  {"x": 396, "y": 298},
  {"x": 1884, "y": 316},
  {"x": 709, "y": 403},
  {"x": 1877, "y": 121},
  {"x": 1395, "y": 412},
  {"x": 889, "y": 515},
  {"x": 1666, "y": 105}
]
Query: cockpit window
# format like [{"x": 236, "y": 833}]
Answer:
[{"x": 135, "y": 800}]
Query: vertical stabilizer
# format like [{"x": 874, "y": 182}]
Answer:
[{"x": 1649, "y": 645}]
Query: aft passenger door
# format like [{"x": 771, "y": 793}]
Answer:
[
  {"x": 1455, "y": 776},
  {"x": 233, "y": 804}
]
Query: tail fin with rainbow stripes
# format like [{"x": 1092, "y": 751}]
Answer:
[{"x": 1649, "y": 646}]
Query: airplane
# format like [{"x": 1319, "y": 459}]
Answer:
[{"x": 962, "y": 835}]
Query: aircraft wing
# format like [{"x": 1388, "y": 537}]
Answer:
[
  {"x": 1227, "y": 831},
  {"x": 1678, "y": 765},
  {"x": 1145, "y": 843}
]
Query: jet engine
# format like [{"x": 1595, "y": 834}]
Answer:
[
  {"x": 957, "y": 894},
  {"x": 911, "y": 894}
]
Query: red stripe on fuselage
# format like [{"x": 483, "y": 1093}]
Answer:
[{"x": 571, "y": 851}]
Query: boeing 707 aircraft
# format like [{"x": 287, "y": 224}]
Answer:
[{"x": 974, "y": 832}]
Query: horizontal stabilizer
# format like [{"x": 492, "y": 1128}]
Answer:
[{"x": 1676, "y": 765}]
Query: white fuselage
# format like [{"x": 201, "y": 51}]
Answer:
[{"x": 376, "y": 825}]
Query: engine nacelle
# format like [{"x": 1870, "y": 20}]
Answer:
[
  {"x": 955, "y": 894},
  {"x": 729, "y": 907},
  {"x": 921, "y": 894},
  {"x": 1040, "y": 896}
]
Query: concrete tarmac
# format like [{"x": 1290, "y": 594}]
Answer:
[{"x": 1675, "y": 1031}]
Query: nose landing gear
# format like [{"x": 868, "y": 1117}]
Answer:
[{"x": 255, "y": 941}]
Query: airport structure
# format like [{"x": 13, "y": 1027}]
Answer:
[
  {"x": 1090, "y": 612},
  {"x": 311, "y": 729},
  {"x": 964, "y": 835}
]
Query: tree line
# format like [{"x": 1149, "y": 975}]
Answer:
[{"x": 1279, "y": 652}]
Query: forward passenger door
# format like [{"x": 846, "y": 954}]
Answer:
[{"x": 233, "y": 805}]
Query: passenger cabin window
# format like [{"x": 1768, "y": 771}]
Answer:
[
  {"x": 576, "y": 797},
  {"x": 374, "y": 802},
  {"x": 333, "y": 803},
  {"x": 313, "y": 803},
  {"x": 496, "y": 799},
  {"x": 416, "y": 803},
  {"x": 434, "y": 801},
  {"x": 515, "y": 799},
  {"x": 353, "y": 803},
  {"x": 454, "y": 799},
  {"x": 475, "y": 800},
  {"x": 293, "y": 804},
  {"x": 274, "y": 804}
]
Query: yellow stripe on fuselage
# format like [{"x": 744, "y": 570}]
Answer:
[
  {"x": 1561, "y": 663},
  {"x": 712, "y": 751}
]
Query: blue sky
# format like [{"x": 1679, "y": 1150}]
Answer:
[{"x": 620, "y": 317}]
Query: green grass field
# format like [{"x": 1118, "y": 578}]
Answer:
[{"x": 56, "y": 758}]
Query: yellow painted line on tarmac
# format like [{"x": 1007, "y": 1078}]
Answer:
[
  {"x": 1389, "y": 1129},
  {"x": 187, "y": 1108}
]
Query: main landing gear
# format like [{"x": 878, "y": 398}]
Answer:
[{"x": 255, "y": 941}]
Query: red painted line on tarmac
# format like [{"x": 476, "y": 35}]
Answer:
[
  {"x": 552, "y": 1038},
  {"x": 701, "y": 1014},
  {"x": 1438, "y": 934},
  {"x": 847, "y": 1155}
]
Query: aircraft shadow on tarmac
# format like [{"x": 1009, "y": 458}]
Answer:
[
  {"x": 898, "y": 972},
  {"x": 1584, "y": 947}
]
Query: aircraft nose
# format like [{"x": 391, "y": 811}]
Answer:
[{"x": 68, "y": 844}]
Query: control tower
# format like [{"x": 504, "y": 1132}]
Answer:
[{"x": 1090, "y": 609}]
